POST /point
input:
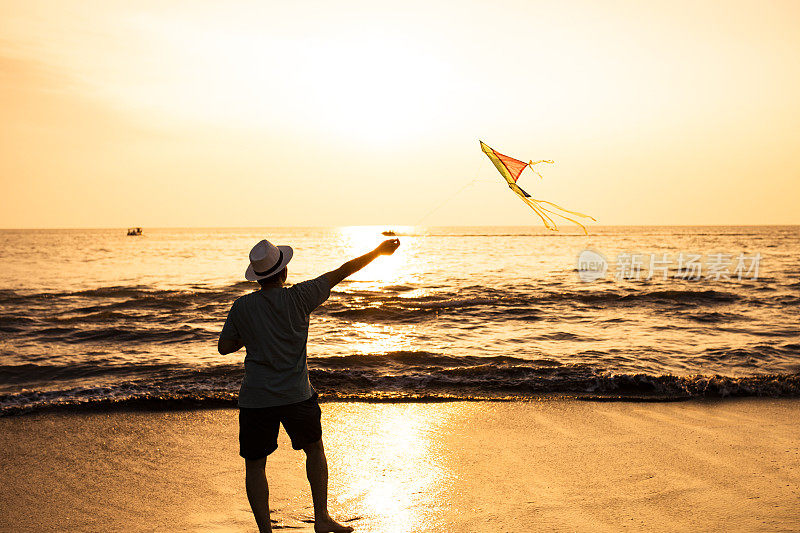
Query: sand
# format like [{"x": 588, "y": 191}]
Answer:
[{"x": 554, "y": 465}]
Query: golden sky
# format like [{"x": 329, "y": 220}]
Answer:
[{"x": 266, "y": 113}]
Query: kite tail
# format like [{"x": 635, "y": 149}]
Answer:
[
  {"x": 532, "y": 163},
  {"x": 563, "y": 216},
  {"x": 566, "y": 210},
  {"x": 548, "y": 222}
]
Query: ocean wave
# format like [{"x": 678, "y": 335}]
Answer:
[
  {"x": 406, "y": 376},
  {"x": 137, "y": 295},
  {"x": 511, "y": 304},
  {"x": 134, "y": 333},
  {"x": 109, "y": 299},
  {"x": 33, "y": 373}
]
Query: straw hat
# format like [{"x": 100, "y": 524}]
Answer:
[{"x": 266, "y": 259}]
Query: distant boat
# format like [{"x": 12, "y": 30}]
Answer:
[
  {"x": 389, "y": 233},
  {"x": 134, "y": 232}
]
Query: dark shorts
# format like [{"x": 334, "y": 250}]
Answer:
[{"x": 258, "y": 427}]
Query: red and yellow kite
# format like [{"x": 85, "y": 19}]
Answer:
[{"x": 510, "y": 169}]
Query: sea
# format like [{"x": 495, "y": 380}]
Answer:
[{"x": 96, "y": 319}]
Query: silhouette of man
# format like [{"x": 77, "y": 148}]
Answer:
[{"x": 272, "y": 324}]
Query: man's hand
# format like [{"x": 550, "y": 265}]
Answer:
[{"x": 388, "y": 246}]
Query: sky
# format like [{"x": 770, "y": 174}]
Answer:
[{"x": 263, "y": 113}]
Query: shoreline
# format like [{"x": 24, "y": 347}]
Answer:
[
  {"x": 193, "y": 403},
  {"x": 558, "y": 465},
  {"x": 621, "y": 388}
]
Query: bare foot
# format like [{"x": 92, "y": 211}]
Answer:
[{"x": 331, "y": 526}]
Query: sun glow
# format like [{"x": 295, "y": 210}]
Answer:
[
  {"x": 162, "y": 115},
  {"x": 356, "y": 240},
  {"x": 359, "y": 87}
]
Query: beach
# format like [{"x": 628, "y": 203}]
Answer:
[{"x": 547, "y": 465}]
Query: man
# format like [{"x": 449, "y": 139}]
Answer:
[{"x": 272, "y": 324}]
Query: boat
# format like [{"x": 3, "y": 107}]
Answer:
[
  {"x": 389, "y": 233},
  {"x": 134, "y": 232}
]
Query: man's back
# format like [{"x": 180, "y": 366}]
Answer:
[{"x": 273, "y": 326}]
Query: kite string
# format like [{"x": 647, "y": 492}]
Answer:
[{"x": 446, "y": 200}]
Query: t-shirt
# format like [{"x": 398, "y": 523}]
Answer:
[{"x": 273, "y": 326}]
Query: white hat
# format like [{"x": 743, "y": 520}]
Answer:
[{"x": 266, "y": 259}]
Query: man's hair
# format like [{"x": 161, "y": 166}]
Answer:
[{"x": 278, "y": 276}]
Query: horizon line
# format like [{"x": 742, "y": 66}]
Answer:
[{"x": 390, "y": 226}]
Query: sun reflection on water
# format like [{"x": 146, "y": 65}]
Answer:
[
  {"x": 391, "y": 472},
  {"x": 377, "y": 287},
  {"x": 374, "y": 338}
]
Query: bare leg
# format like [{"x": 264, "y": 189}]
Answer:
[
  {"x": 317, "y": 472},
  {"x": 258, "y": 492}
]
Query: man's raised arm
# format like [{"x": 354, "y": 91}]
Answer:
[{"x": 387, "y": 247}]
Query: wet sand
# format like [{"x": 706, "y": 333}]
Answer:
[{"x": 555, "y": 465}]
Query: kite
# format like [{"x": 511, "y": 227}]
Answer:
[{"x": 510, "y": 169}]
